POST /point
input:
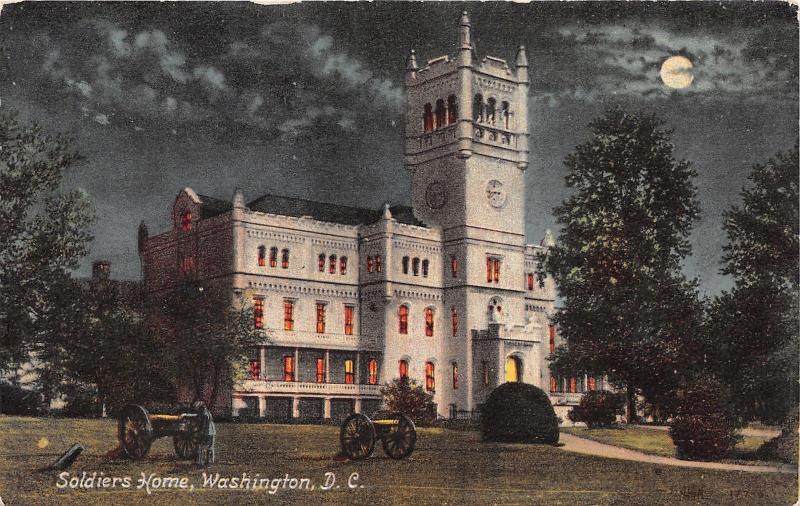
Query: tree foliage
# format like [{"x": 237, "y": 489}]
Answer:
[
  {"x": 404, "y": 395},
  {"x": 43, "y": 233},
  {"x": 628, "y": 311}
]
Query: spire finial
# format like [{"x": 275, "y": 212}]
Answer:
[
  {"x": 522, "y": 57},
  {"x": 238, "y": 199},
  {"x": 411, "y": 62},
  {"x": 466, "y": 41},
  {"x": 387, "y": 213}
]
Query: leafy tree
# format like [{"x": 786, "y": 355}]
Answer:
[
  {"x": 43, "y": 234},
  {"x": 628, "y": 312},
  {"x": 206, "y": 339},
  {"x": 403, "y": 395},
  {"x": 752, "y": 330}
]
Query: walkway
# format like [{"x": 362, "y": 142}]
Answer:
[
  {"x": 747, "y": 431},
  {"x": 588, "y": 447}
]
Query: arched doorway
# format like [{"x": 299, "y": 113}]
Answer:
[{"x": 513, "y": 369}]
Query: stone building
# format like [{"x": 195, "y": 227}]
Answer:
[{"x": 443, "y": 292}]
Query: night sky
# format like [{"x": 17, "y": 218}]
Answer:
[{"x": 307, "y": 100}]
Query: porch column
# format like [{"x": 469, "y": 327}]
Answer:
[
  {"x": 328, "y": 369},
  {"x": 297, "y": 364},
  {"x": 262, "y": 406},
  {"x": 357, "y": 405},
  {"x": 326, "y": 407},
  {"x": 295, "y": 407},
  {"x": 263, "y": 371},
  {"x": 358, "y": 369}
]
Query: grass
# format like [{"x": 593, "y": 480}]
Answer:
[
  {"x": 448, "y": 467},
  {"x": 658, "y": 442}
]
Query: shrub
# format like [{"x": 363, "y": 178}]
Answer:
[
  {"x": 704, "y": 428},
  {"x": 15, "y": 400},
  {"x": 785, "y": 446},
  {"x": 598, "y": 408},
  {"x": 519, "y": 413},
  {"x": 403, "y": 395}
]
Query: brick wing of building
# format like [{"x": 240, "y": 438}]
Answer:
[{"x": 443, "y": 292}]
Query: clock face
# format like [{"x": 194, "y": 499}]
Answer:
[
  {"x": 496, "y": 193},
  {"x": 436, "y": 195}
]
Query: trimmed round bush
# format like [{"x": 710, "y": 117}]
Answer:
[
  {"x": 598, "y": 408},
  {"x": 703, "y": 428},
  {"x": 519, "y": 413}
]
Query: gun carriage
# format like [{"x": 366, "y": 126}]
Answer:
[
  {"x": 359, "y": 433},
  {"x": 137, "y": 429}
]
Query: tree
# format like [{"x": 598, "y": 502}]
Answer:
[
  {"x": 43, "y": 234},
  {"x": 403, "y": 395},
  {"x": 628, "y": 312},
  {"x": 752, "y": 331},
  {"x": 206, "y": 338}
]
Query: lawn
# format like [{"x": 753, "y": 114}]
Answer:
[
  {"x": 448, "y": 467},
  {"x": 658, "y": 442}
]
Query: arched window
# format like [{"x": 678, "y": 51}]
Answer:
[
  {"x": 427, "y": 118},
  {"x": 455, "y": 376},
  {"x": 490, "y": 111},
  {"x": 477, "y": 108},
  {"x": 504, "y": 115},
  {"x": 552, "y": 331},
  {"x": 285, "y": 259},
  {"x": 343, "y": 265},
  {"x": 321, "y": 262},
  {"x": 440, "y": 114},
  {"x": 348, "y": 372},
  {"x": 320, "y": 370},
  {"x": 430, "y": 381},
  {"x": 403, "y": 369},
  {"x": 186, "y": 221},
  {"x": 372, "y": 368},
  {"x": 454, "y": 266},
  {"x": 332, "y": 264},
  {"x": 425, "y": 268},
  {"x": 378, "y": 264},
  {"x": 513, "y": 369},
  {"x": 452, "y": 110},
  {"x": 369, "y": 264},
  {"x": 258, "y": 313},
  {"x": 405, "y": 265},
  {"x": 288, "y": 315},
  {"x": 348, "y": 319},
  {"x": 492, "y": 269},
  {"x": 402, "y": 316},
  {"x": 530, "y": 281},
  {"x": 273, "y": 257},
  {"x": 415, "y": 266},
  {"x": 288, "y": 368},
  {"x": 428, "y": 321},
  {"x": 320, "y": 317},
  {"x": 454, "y": 318},
  {"x": 262, "y": 256}
]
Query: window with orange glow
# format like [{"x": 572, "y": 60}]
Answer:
[
  {"x": 430, "y": 382},
  {"x": 288, "y": 368},
  {"x": 489, "y": 265},
  {"x": 378, "y": 264},
  {"x": 402, "y": 315},
  {"x": 273, "y": 257},
  {"x": 454, "y": 266},
  {"x": 343, "y": 265},
  {"x": 321, "y": 262},
  {"x": 553, "y": 384},
  {"x": 403, "y": 369},
  {"x": 452, "y": 110},
  {"x": 573, "y": 385},
  {"x": 348, "y": 319},
  {"x": 454, "y": 318},
  {"x": 320, "y": 370},
  {"x": 552, "y": 330},
  {"x": 455, "y": 376},
  {"x": 262, "y": 256},
  {"x": 496, "y": 270},
  {"x": 255, "y": 369},
  {"x": 258, "y": 313},
  {"x": 369, "y": 264},
  {"x": 372, "y": 368},
  {"x": 332, "y": 264},
  {"x": 441, "y": 115},
  {"x": 285, "y": 259},
  {"x": 590, "y": 383},
  {"x": 288, "y": 315},
  {"x": 428, "y": 321},
  {"x": 186, "y": 221},
  {"x": 320, "y": 317},
  {"x": 427, "y": 117},
  {"x": 530, "y": 281},
  {"x": 348, "y": 372}
]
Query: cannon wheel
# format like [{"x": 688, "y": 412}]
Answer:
[
  {"x": 357, "y": 437},
  {"x": 400, "y": 439},
  {"x": 187, "y": 443},
  {"x": 135, "y": 432}
]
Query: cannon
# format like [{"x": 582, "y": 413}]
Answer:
[
  {"x": 359, "y": 433},
  {"x": 137, "y": 429}
]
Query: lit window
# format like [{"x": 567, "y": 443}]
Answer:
[
  {"x": 258, "y": 313},
  {"x": 348, "y": 372},
  {"x": 320, "y": 370},
  {"x": 591, "y": 384},
  {"x": 372, "y": 367},
  {"x": 455, "y": 376},
  {"x": 425, "y": 268},
  {"x": 320, "y": 317},
  {"x": 273, "y": 257},
  {"x": 454, "y": 318},
  {"x": 288, "y": 315},
  {"x": 186, "y": 221},
  {"x": 378, "y": 264},
  {"x": 452, "y": 110},
  {"x": 348, "y": 320},
  {"x": 285, "y": 259},
  {"x": 428, "y": 321},
  {"x": 552, "y": 330},
  {"x": 343, "y": 265},
  {"x": 187, "y": 265},
  {"x": 496, "y": 271},
  {"x": 255, "y": 369},
  {"x": 553, "y": 384},
  {"x": 513, "y": 369},
  {"x": 530, "y": 281},
  {"x": 288, "y": 368},
  {"x": 262, "y": 254},
  {"x": 321, "y": 262},
  {"x": 454, "y": 266},
  {"x": 403, "y": 369},
  {"x": 430, "y": 382},
  {"x": 489, "y": 265},
  {"x": 573, "y": 385},
  {"x": 441, "y": 116},
  {"x": 405, "y": 265},
  {"x": 415, "y": 266},
  {"x": 402, "y": 315},
  {"x": 427, "y": 118},
  {"x": 369, "y": 264},
  {"x": 332, "y": 264}
]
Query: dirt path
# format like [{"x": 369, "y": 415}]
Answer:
[{"x": 588, "y": 447}]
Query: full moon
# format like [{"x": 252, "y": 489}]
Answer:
[{"x": 676, "y": 72}]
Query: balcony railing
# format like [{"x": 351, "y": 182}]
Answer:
[
  {"x": 329, "y": 340},
  {"x": 566, "y": 397},
  {"x": 302, "y": 388}
]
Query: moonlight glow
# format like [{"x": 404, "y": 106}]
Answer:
[{"x": 676, "y": 72}]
